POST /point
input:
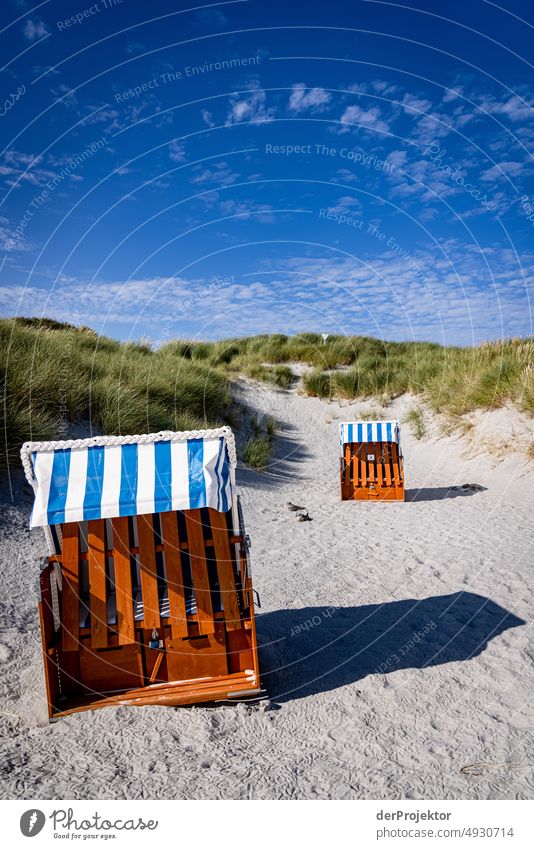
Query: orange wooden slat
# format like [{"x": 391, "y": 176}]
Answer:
[
  {"x": 363, "y": 454},
  {"x": 225, "y": 569},
  {"x": 199, "y": 571},
  {"x": 149, "y": 576},
  {"x": 379, "y": 464},
  {"x": 123, "y": 581},
  {"x": 70, "y": 596},
  {"x": 354, "y": 462},
  {"x": 96, "y": 545},
  {"x": 175, "y": 578}
]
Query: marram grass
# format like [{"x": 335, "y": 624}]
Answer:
[{"x": 56, "y": 375}]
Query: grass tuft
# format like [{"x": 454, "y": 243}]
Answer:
[
  {"x": 415, "y": 419},
  {"x": 317, "y": 384},
  {"x": 257, "y": 452}
]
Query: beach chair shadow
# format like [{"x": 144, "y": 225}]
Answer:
[
  {"x": 317, "y": 649},
  {"x": 438, "y": 493}
]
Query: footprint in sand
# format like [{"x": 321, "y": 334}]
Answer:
[{"x": 5, "y": 653}]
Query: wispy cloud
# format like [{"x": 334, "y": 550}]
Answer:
[
  {"x": 207, "y": 117},
  {"x": 220, "y": 174},
  {"x": 512, "y": 169},
  {"x": 177, "y": 151},
  {"x": 369, "y": 119},
  {"x": 252, "y": 107},
  {"x": 312, "y": 99},
  {"x": 391, "y": 294},
  {"x": 34, "y": 30}
]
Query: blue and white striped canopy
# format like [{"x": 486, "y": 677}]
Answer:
[
  {"x": 87, "y": 480},
  {"x": 369, "y": 432}
]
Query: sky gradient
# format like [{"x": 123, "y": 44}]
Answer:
[{"x": 243, "y": 167}]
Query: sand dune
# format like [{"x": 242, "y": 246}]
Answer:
[{"x": 394, "y": 640}]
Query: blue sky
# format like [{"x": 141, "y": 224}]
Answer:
[{"x": 244, "y": 167}]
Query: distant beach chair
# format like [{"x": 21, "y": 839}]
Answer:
[
  {"x": 371, "y": 461},
  {"x": 146, "y": 596}
]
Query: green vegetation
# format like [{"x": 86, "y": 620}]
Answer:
[
  {"x": 451, "y": 380},
  {"x": 281, "y": 376},
  {"x": 317, "y": 384},
  {"x": 373, "y": 415},
  {"x": 415, "y": 419},
  {"x": 56, "y": 375},
  {"x": 257, "y": 452}
]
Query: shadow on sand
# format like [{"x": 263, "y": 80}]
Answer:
[
  {"x": 316, "y": 649},
  {"x": 288, "y": 454},
  {"x": 438, "y": 493}
]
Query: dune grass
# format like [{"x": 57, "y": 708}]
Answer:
[
  {"x": 56, "y": 375},
  {"x": 281, "y": 376},
  {"x": 415, "y": 419},
  {"x": 452, "y": 380},
  {"x": 257, "y": 452}
]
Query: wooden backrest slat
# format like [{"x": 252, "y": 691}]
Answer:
[
  {"x": 175, "y": 578},
  {"x": 96, "y": 546},
  {"x": 148, "y": 572},
  {"x": 123, "y": 580},
  {"x": 70, "y": 596},
  {"x": 199, "y": 571},
  {"x": 225, "y": 569},
  {"x": 379, "y": 463}
]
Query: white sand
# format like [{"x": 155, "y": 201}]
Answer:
[{"x": 361, "y": 707}]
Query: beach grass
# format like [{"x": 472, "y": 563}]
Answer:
[
  {"x": 415, "y": 419},
  {"x": 452, "y": 380},
  {"x": 257, "y": 452},
  {"x": 56, "y": 375}
]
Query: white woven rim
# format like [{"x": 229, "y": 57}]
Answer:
[{"x": 142, "y": 439}]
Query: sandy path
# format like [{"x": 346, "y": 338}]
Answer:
[{"x": 394, "y": 643}]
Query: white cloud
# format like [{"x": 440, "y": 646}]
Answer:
[
  {"x": 414, "y": 105},
  {"x": 511, "y": 169},
  {"x": 513, "y": 107},
  {"x": 220, "y": 173},
  {"x": 252, "y": 107},
  {"x": 207, "y": 117},
  {"x": 453, "y": 93},
  {"x": 433, "y": 126},
  {"x": 177, "y": 151},
  {"x": 34, "y": 30},
  {"x": 261, "y": 211},
  {"x": 346, "y": 205},
  {"x": 369, "y": 119},
  {"x": 386, "y": 291},
  {"x": 303, "y": 99}
]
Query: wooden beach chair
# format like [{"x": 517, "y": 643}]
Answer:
[
  {"x": 146, "y": 595},
  {"x": 371, "y": 461}
]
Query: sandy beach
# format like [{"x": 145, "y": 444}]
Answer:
[{"x": 394, "y": 638}]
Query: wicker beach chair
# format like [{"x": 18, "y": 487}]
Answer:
[
  {"x": 146, "y": 595},
  {"x": 371, "y": 463}
]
